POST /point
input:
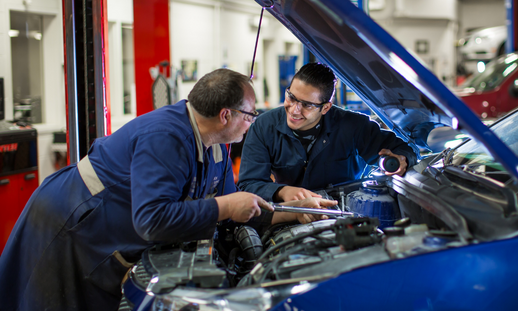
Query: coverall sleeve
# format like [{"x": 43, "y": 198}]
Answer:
[
  {"x": 370, "y": 139},
  {"x": 161, "y": 174},
  {"x": 255, "y": 169}
]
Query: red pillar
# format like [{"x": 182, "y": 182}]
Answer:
[{"x": 151, "y": 46}]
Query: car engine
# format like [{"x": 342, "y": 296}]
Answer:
[{"x": 238, "y": 256}]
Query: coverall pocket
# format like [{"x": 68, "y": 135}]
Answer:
[
  {"x": 109, "y": 273},
  {"x": 84, "y": 212}
]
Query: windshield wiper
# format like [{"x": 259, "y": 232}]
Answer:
[
  {"x": 448, "y": 157},
  {"x": 426, "y": 165}
]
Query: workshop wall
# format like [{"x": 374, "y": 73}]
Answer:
[
  {"x": 222, "y": 34},
  {"x": 480, "y": 14},
  {"x": 194, "y": 32},
  {"x": 120, "y": 15},
  {"x": 427, "y": 28}
]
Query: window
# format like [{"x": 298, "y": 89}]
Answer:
[{"x": 26, "y": 61}]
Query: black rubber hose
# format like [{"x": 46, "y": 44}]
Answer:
[
  {"x": 250, "y": 244},
  {"x": 232, "y": 258}
]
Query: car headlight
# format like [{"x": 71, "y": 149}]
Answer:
[
  {"x": 480, "y": 39},
  {"x": 238, "y": 299}
]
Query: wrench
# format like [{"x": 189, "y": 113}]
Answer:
[{"x": 307, "y": 210}]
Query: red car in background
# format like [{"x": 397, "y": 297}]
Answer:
[{"x": 493, "y": 92}]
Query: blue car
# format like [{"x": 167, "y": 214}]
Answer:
[{"x": 443, "y": 237}]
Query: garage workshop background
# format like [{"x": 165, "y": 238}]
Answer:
[{"x": 204, "y": 35}]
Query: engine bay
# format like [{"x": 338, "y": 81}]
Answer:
[{"x": 238, "y": 256}]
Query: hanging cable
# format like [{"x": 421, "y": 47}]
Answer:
[
  {"x": 251, "y": 76},
  {"x": 257, "y": 39}
]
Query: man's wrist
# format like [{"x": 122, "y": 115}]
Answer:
[
  {"x": 276, "y": 197},
  {"x": 223, "y": 210}
]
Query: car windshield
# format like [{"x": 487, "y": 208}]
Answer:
[
  {"x": 474, "y": 155},
  {"x": 494, "y": 74}
]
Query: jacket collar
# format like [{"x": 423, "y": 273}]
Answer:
[{"x": 216, "y": 149}]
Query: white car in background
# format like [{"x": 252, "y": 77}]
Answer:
[{"x": 484, "y": 44}]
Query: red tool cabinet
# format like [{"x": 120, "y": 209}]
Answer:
[{"x": 18, "y": 176}]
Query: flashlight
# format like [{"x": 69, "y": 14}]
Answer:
[{"x": 389, "y": 164}]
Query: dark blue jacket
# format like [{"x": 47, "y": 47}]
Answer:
[
  {"x": 70, "y": 248},
  {"x": 348, "y": 142}
]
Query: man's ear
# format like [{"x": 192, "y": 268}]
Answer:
[
  {"x": 326, "y": 107},
  {"x": 224, "y": 115}
]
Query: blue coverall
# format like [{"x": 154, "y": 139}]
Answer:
[
  {"x": 347, "y": 143},
  {"x": 76, "y": 238}
]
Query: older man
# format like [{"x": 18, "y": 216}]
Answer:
[{"x": 160, "y": 178}]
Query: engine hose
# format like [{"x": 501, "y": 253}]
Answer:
[
  {"x": 269, "y": 231},
  {"x": 250, "y": 244},
  {"x": 232, "y": 258},
  {"x": 265, "y": 255}
]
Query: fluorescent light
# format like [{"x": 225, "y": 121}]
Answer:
[{"x": 13, "y": 33}]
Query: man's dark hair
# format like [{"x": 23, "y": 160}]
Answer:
[
  {"x": 319, "y": 76},
  {"x": 222, "y": 88}
]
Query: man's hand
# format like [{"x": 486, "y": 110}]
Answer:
[
  {"x": 402, "y": 162},
  {"x": 303, "y": 218},
  {"x": 288, "y": 193},
  {"x": 313, "y": 203},
  {"x": 241, "y": 206}
]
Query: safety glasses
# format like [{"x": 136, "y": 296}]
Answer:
[
  {"x": 292, "y": 100},
  {"x": 248, "y": 116}
]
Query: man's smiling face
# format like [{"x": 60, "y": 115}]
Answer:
[{"x": 298, "y": 117}]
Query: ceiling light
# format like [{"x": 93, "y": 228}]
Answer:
[{"x": 13, "y": 33}]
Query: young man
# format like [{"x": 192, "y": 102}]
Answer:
[
  {"x": 309, "y": 144},
  {"x": 158, "y": 179}
]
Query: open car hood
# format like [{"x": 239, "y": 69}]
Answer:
[{"x": 405, "y": 95}]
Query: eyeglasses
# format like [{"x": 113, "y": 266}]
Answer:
[
  {"x": 292, "y": 100},
  {"x": 248, "y": 116}
]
